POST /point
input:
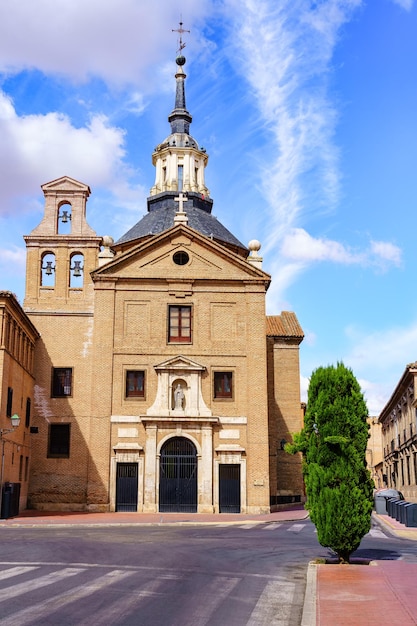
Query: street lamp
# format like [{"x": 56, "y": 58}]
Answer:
[{"x": 15, "y": 419}]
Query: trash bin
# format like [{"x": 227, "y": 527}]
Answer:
[
  {"x": 391, "y": 506},
  {"x": 382, "y": 496},
  {"x": 10, "y": 500},
  {"x": 411, "y": 515},
  {"x": 399, "y": 505}
]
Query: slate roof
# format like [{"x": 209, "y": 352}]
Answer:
[
  {"x": 156, "y": 222},
  {"x": 284, "y": 325}
]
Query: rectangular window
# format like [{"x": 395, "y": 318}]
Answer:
[
  {"x": 135, "y": 384},
  {"x": 21, "y": 467},
  {"x": 9, "y": 407},
  {"x": 27, "y": 415},
  {"x": 61, "y": 382},
  {"x": 180, "y": 177},
  {"x": 223, "y": 384},
  {"x": 26, "y": 468},
  {"x": 59, "y": 441},
  {"x": 179, "y": 324}
]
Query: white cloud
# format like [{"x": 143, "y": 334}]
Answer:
[
  {"x": 384, "y": 353},
  {"x": 13, "y": 258},
  {"x": 38, "y": 148},
  {"x": 298, "y": 245},
  {"x": 116, "y": 40},
  {"x": 387, "y": 251},
  {"x": 394, "y": 346},
  {"x": 404, "y": 4},
  {"x": 286, "y": 49}
]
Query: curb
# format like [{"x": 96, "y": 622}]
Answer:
[
  {"x": 16, "y": 523},
  {"x": 404, "y": 533},
  {"x": 310, "y": 597}
]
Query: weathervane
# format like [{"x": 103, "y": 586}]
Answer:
[{"x": 180, "y": 30}]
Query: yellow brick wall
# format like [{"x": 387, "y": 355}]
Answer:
[{"x": 285, "y": 417}]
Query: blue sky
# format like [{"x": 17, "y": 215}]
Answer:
[{"x": 307, "y": 111}]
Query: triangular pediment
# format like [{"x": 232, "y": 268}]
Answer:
[
  {"x": 155, "y": 259},
  {"x": 179, "y": 363},
  {"x": 65, "y": 183}
]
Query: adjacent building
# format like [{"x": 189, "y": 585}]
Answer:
[
  {"x": 399, "y": 433},
  {"x": 18, "y": 337}
]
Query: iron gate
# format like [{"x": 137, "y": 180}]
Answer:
[
  {"x": 127, "y": 487},
  {"x": 178, "y": 477},
  {"x": 229, "y": 488}
]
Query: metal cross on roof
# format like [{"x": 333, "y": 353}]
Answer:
[{"x": 180, "y": 30}]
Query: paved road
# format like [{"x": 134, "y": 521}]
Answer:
[{"x": 149, "y": 576}]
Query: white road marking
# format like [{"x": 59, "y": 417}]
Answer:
[
  {"x": 16, "y": 571},
  {"x": 31, "y": 585},
  {"x": 274, "y": 605},
  {"x": 272, "y": 526},
  {"x": 296, "y": 528},
  {"x": 212, "y": 595},
  {"x": 43, "y": 609},
  {"x": 248, "y": 526}
]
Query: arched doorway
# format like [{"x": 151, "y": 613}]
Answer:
[{"x": 178, "y": 476}]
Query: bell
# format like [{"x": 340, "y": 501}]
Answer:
[
  {"x": 77, "y": 269},
  {"x": 49, "y": 269}
]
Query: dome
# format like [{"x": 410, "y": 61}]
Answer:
[{"x": 179, "y": 140}]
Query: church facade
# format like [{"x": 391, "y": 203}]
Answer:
[{"x": 160, "y": 382}]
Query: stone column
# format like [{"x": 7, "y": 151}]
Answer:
[
  {"x": 205, "y": 474},
  {"x": 149, "y": 496}
]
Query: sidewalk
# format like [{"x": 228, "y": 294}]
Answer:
[
  {"x": 378, "y": 594},
  {"x": 32, "y": 519}
]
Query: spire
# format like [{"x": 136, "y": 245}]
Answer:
[{"x": 180, "y": 119}]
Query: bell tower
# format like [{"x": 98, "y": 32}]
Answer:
[{"x": 61, "y": 251}]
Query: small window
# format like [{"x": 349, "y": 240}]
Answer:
[
  {"x": 179, "y": 324},
  {"x": 59, "y": 441},
  {"x": 181, "y": 258},
  {"x": 223, "y": 384},
  {"x": 9, "y": 408},
  {"x": 27, "y": 416},
  {"x": 61, "y": 382},
  {"x": 180, "y": 177},
  {"x": 135, "y": 384}
]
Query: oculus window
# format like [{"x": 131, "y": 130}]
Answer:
[{"x": 181, "y": 257}]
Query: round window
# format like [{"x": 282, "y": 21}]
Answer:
[{"x": 181, "y": 258}]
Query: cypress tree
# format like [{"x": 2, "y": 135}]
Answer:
[{"x": 333, "y": 443}]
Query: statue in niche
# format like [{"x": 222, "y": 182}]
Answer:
[{"x": 178, "y": 397}]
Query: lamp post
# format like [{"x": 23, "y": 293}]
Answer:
[{"x": 15, "y": 419}]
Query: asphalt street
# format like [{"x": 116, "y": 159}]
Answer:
[{"x": 149, "y": 576}]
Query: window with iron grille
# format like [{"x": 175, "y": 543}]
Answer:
[
  {"x": 179, "y": 324},
  {"x": 61, "y": 382},
  {"x": 135, "y": 384},
  {"x": 59, "y": 441},
  {"x": 223, "y": 384}
]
